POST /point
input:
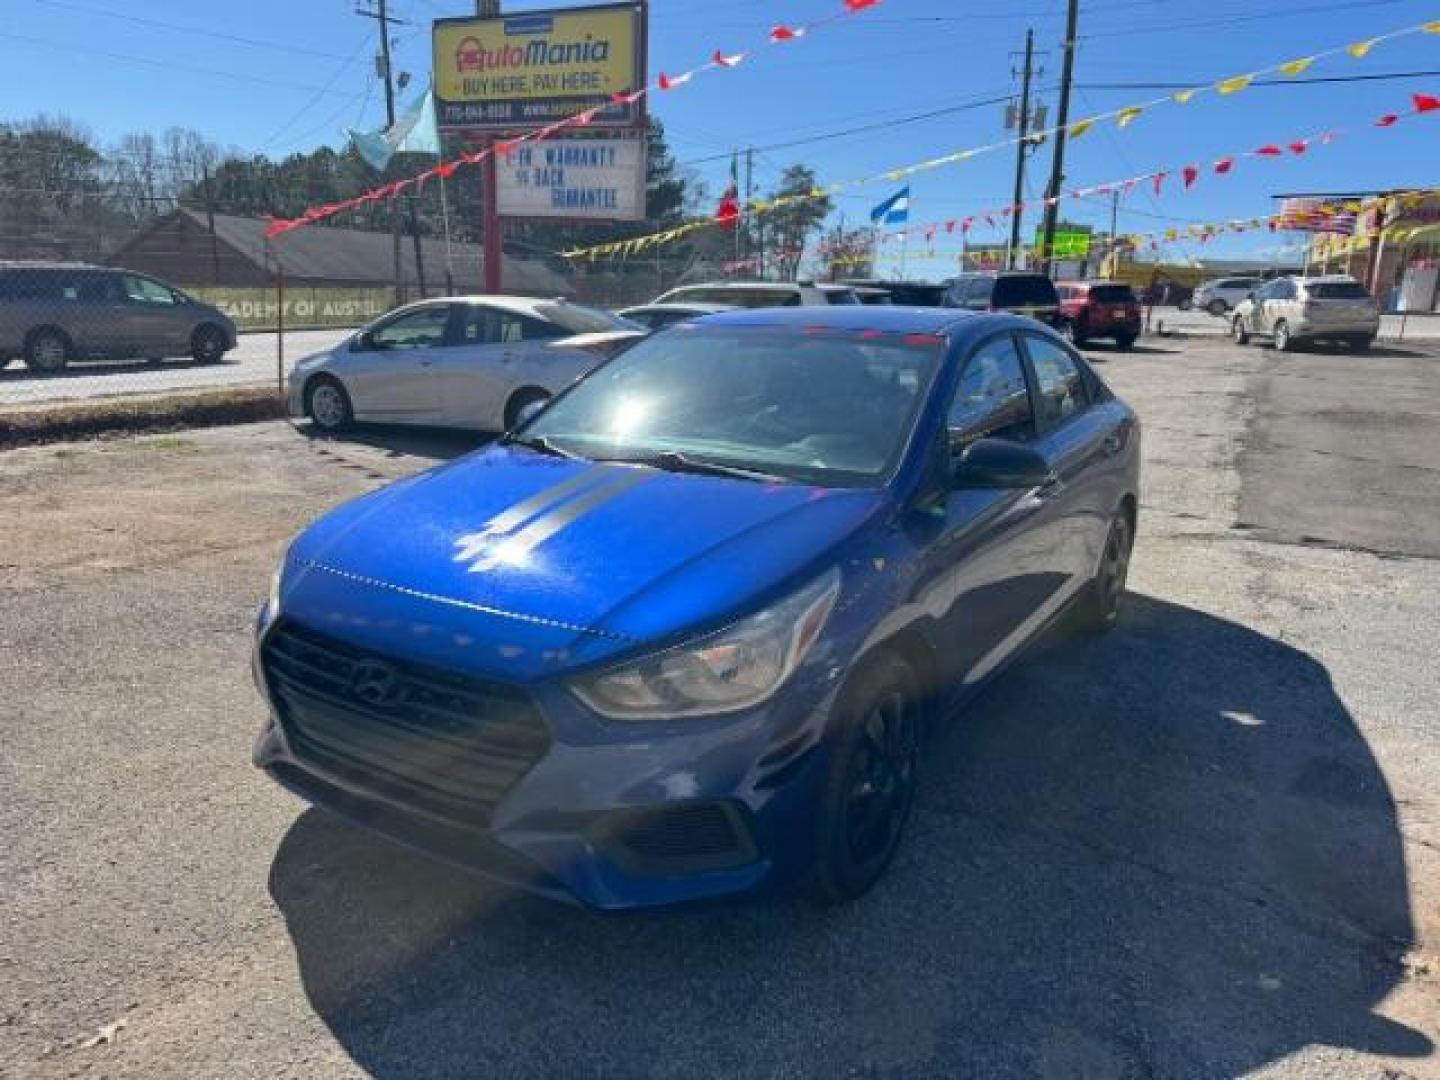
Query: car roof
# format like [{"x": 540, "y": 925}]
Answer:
[
  {"x": 892, "y": 319},
  {"x": 775, "y": 286},
  {"x": 1327, "y": 279},
  {"x": 680, "y": 305}
]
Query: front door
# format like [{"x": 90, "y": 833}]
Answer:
[
  {"x": 152, "y": 321},
  {"x": 987, "y": 565},
  {"x": 391, "y": 371}
]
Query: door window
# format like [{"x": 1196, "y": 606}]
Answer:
[
  {"x": 992, "y": 399},
  {"x": 423, "y": 329},
  {"x": 144, "y": 291},
  {"x": 1284, "y": 290},
  {"x": 96, "y": 288},
  {"x": 1060, "y": 385},
  {"x": 493, "y": 326}
]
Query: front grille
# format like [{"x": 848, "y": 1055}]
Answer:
[
  {"x": 442, "y": 742},
  {"x": 684, "y": 837}
]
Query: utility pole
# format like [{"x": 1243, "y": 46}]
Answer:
[
  {"x": 1021, "y": 149},
  {"x": 749, "y": 195},
  {"x": 384, "y": 19},
  {"x": 489, "y": 189},
  {"x": 1114, "y": 225},
  {"x": 1057, "y": 169},
  {"x": 210, "y": 220}
]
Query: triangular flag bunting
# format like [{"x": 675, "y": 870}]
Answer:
[
  {"x": 667, "y": 82},
  {"x": 721, "y": 60},
  {"x": 1235, "y": 85},
  {"x": 1269, "y": 151},
  {"x": 1224, "y": 165},
  {"x": 1127, "y": 116},
  {"x": 1361, "y": 48},
  {"x": 1297, "y": 67},
  {"x": 784, "y": 33},
  {"x": 1299, "y": 146},
  {"x": 1188, "y": 174},
  {"x": 1425, "y": 102},
  {"x": 859, "y": 5},
  {"x": 1159, "y": 181},
  {"x": 1080, "y": 127},
  {"x": 1386, "y": 120},
  {"x": 1183, "y": 97}
]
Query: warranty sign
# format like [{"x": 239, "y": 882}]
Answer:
[{"x": 524, "y": 70}]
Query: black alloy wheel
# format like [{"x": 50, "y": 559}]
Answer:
[
  {"x": 1100, "y": 609},
  {"x": 207, "y": 345}
]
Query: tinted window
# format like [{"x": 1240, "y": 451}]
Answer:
[
  {"x": 1284, "y": 290},
  {"x": 1337, "y": 290},
  {"x": 1024, "y": 290},
  {"x": 828, "y": 407},
  {"x": 423, "y": 329},
  {"x": 917, "y": 295},
  {"x": 747, "y": 298},
  {"x": 493, "y": 326},
  {"x": 579, "y": 319},
  {"x": 840, "y": 296},
  {"x": 1113, "y": 294},
  {"x": 97, "y": 288},
  {"x": 992, "y": 399},
  {"x": 1058, "y": 382},
  {"x": 144, "y": 291}
]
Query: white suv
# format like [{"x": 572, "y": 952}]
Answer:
[
  {"x": 1302, "y": 309},
  {"x": 1219, "y": 296},
  {"x": 760, "y": 294}
]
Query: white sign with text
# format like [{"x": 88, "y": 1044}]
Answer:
[{"x": 574, "y": 178}]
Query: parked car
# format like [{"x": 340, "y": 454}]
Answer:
[
  {"x": 463, "y": 362},
  {"x": 53, "y": 313},
  {"x": 760, "y": 294},
  {"x": 1020, "y": 292},
  {"x": 904, "y": 293},
  {"x": 657, "y": 316},
  {"x": 869, "y": 294},
  {"x": 1296, "y": 310},
  {"x": 678, "y": 635},
  {"x": 1099, "y": 309},
  {"x": 1221, "y": 295}
]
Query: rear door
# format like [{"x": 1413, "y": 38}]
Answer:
[
  {"x": 494, "y": 353},
  {"x": 1081, "y": 442},
  {"x": 99, "y": 320},
  {"x": 390, "y": 370}
]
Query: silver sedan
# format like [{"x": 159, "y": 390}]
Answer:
[{"x": 463, "y": 362}]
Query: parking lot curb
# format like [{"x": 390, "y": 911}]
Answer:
[{"x": 137, "y": 415}]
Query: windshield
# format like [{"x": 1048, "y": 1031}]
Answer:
[
  {"x": 832, "y": 408},
  {"x": 1112, "y": 294},
  {"x": 579, "y": 319},
  {"x": 1022, "y": 290}
]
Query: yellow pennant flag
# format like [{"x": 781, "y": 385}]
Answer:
[
  {"x": 1297, "y": 67},
  {"x": 1127, "y": 116},
  {"x": 1183, "y": 97},
  {"x": 1432, "y": 27},
  {"x": 895, "y": 174},
  {"x": 1080, "y": 127},
  {"x": 1361, "y": 48},
  {"x": 1235, "y": 85},
  {"x": 1170, "y": 234}
]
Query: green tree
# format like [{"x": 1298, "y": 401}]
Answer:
[{"x": 798, "y": 214}]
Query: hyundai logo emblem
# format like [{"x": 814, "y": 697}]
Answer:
[{"x": 375, "y": 682}]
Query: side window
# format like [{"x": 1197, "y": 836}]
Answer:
[
  {"x": 423, "y": 329},
  {"x": 992, "y": 399},
  {"x": 95, "y": 288},
  {"x": 1265, "y": 292},
  {"x": 144, "y": 291},
  {"x": 1285, "y": 290},
  {"x": 1060, "y": 386}
]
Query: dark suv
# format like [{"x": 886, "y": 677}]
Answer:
[
  {"x": 54, "y": 313},
  {"x": 1020, "y": 293}
]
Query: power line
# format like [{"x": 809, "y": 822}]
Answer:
[
  {"x": 1378, "y": 77},
  {"x": 1142, "y": 29}
]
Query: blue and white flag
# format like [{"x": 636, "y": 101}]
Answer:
[
  {"x": 414, "y": 132},
  {"x": 894, "y": 210}
]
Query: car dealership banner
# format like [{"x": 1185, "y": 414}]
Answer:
[
  {"x": 600, "y": 179},
  {"x": 514, "y": 71}
]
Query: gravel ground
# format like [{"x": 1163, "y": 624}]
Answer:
[{"x": 1205, "y": 845}]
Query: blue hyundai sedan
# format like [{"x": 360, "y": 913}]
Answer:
[{"x": 679, "y": 635}]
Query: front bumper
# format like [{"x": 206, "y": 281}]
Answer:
[{"x": 610, "y": 816}]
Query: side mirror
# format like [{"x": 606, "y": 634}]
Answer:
[
  {"x": 1000, "y": 463},
  {"x": 362, "y": 341}
]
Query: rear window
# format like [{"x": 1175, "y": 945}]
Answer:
[
  {"x": 1112, "y": 294},
  {"x": 1337, "y": 290},
  {"x": 840, "y": 296},
  {"x": 1025, "y": 290}
]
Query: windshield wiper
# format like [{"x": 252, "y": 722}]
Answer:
[
  {"x": 674, "y": 461},
  {"x": 541, "y": 444}
]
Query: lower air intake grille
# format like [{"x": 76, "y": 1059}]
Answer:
[{"x": 683, "y": 838}]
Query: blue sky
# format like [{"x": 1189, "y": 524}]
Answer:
[{"x": 282, "y": 75}]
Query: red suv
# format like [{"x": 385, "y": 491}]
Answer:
[{"x": 1099, "y": 309}]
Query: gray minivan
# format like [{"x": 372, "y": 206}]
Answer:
[{"x": 53, "y": 313}]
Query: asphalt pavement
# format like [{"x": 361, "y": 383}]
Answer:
[
  {"x": 253, "y": 362},
  {"x": 1205, "y": 845}
]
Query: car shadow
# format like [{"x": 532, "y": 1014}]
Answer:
[
  {"x": 16, "y": 371},
  {"x": 1167, "y": 851},
  {"x": 441, "y": 444}
]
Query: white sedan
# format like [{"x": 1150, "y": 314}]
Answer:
[{"x": 462, "y": 362}]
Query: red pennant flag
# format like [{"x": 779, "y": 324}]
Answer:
[
  {"x": 665, "y": 82},
  {"x": 447, "y": 168},
  {"x": 1189, "y": 173},
  {"x": 1269, "y": 151},
  {"x": 722, "y": 60},
  {"x": 1159, "y": 181},
  {"x": 950, "y": 226},
  {"x": 1299, "y": 146},
  {"x": 728, "y": 212},
  {"x": 965, "y": 225},
  {"x": 627, "y": 99},
  {"x": 782, "y": 33},
  {"x": 989, "y": 221},
  {"x": 1386, "y": 120},
  {"x": 1327, "y": 138},
  {"x": 1224, "y": 165},
  {"x": 1425, "y": 102},
  {"x": 859, "y": 5}
]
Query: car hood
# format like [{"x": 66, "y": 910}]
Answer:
[{"x": 522, "y": 564}]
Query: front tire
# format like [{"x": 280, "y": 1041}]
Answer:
[
  {"x": 1185, "y": 305},
  {"x": 1283, "y": 341},
  {"x": 1239, "y": 333},
  {"x": 1099, "y": 609},
  {"x": 207, "y": 345},
  {"x": 871, "y": 786},
  {"x": 520, "y": 401},
  {"x": 47, "y": 352},
  {"x": 1125, "y": 342},
  {"x": 1217, "y": 308},
  {"x": 328, "y": 405},
  {"x": 1361, "y": 344}
]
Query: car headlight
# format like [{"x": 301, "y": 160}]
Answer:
[
  {"x": 733, "y": 669},
  {"x": 272, "y": 603}
]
